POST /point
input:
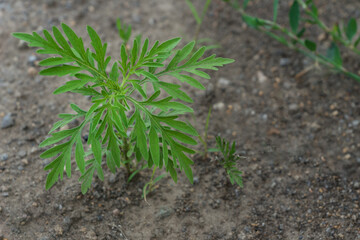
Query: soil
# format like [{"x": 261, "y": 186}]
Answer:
[{"x": 298, "y": 137}]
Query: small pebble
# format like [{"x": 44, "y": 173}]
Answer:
[
  {"x": 284, "y": 61},
  {"x": 261, "y": 77},
  {"x": 7, "y": 121},
  {"x": 25, "y": 161},
  {"x": 32, "y": 71},
  {"x": 22, "y": 153},
  {"x": 223, "y": 83},
  {"x": 32, "y": 59},
  {"x": 219, "y": 106},
  {"x": 4, "y": 157},
  {"x": 116, "y": 212}
]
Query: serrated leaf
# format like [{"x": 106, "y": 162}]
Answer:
[
  {"x": 58, "y": 136},
  {"x": 147, "y": 74},
  {"x": 189, "y": 80},
  {"x": 154, "y": 146},
  {"x": 79, "y": 155},
  {"x": 181, "y": 137},
  {"x": 174, "y": 91},
  {"x": 294, "y": 16},
  {"x": 75, "y": 41},
  {"x": 55, "y": 61},
  {"x": 140, "y": 135},
  {"x": 60, "y": 70},
  {"x": 168, "y": 45},
  {"x": 96, "y": 149},
  {"x": 182, "y": 126},
  {"x": 70, "y": 85},
  {"x": 86, "y": 179},
  {"x": 54, "y": 150}
]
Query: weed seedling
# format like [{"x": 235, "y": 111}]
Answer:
[{"x": 130, "y": 123}]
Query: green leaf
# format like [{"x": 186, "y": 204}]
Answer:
[
  {"x": 181, "y": 137},
  {"x": 96, "y": 149},
  {"x": 246, "y": 2},
  {"x": 310, "y": 45},
  {"x": 186, "y": 128},
  {"x": 168, "y": 45},
  {"x": 294, "y": 16},
  {"x": 174, "y": 91},
  {"x": 140, "y": 135},
  {"x": 79, "y": 155},
  {"x": 193, "y": 11},
  {"x": 189, "y": 80},
  {"x": 70, "y": 85},
  {"x": 86, "y": 179},
  {"x": 55, "y": 61},
  {"x": 275, "y": 7},
  {"x": 154, "y": 146},
  {"x": 61, "y": 40},
  {"x": 114, "y": 74},
  {"x": 351, "y": 29},
  {"x": 54, "y": 150},
  {"x": 60, "y": 70},
  {"x": 333, "y": 53},
  {"x": 75, "y": 41},
  {"x": 58, "y": 136}
]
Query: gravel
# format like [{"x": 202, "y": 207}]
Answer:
[{"x": 7, "y": 121}]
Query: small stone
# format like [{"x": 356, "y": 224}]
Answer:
[
  {"x": 22, "y": 153},
  {"x": 32, "y": 59},
  {"x": 25, "y": 161},
  {"x": 152, "y": 21},
  {"x": 32, "y": 71},
  {"x": 284, "y": 61},
  {"x": 196, "y": 180},
  {"x": 112, "y": 178},
  {"x": 219, "y": 106},
  {"x": 91, "y": 235},
  {"x": 293, "y": 107},
  {"x": 223, "y": 83},
  {"x": 4, "y": 157},
  {"x": 7, "y": 121},
  {"x": 261, "y": 77},
  {"x": 164, "y": 213},
  {"x": 5, "y": 194},
  {"x": 355, "y": 123},
  {"x": 136, "y": 18},
  {"x": 356, "y": 184},
  {"x": 58, "y": 230},
  {"x": 116, "y": 212}
]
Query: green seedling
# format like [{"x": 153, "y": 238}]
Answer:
[
  {"x": 203, "y": 139},
  {"x": 301, "y": 14},
  {"x": 199, "y": 18},
  {"x": 130, "y": 123},
  {"x": 229, "y": 159},
  {"x": 124, "y": 31}
]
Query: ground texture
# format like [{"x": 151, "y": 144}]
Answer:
[{"x": 299, "y": 137}]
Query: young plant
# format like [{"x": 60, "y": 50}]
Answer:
[
  {"x": 203, "y": 139},
  {"x": 124, "y": 31},
  {"x": 199, "y": 18},
  {"x": 293, "y": 36},
  {"x": 129, "y": 131},
  {"x": 229, "y": 160}
]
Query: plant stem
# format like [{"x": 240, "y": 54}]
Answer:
[{"x": 125, "y": 156}]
